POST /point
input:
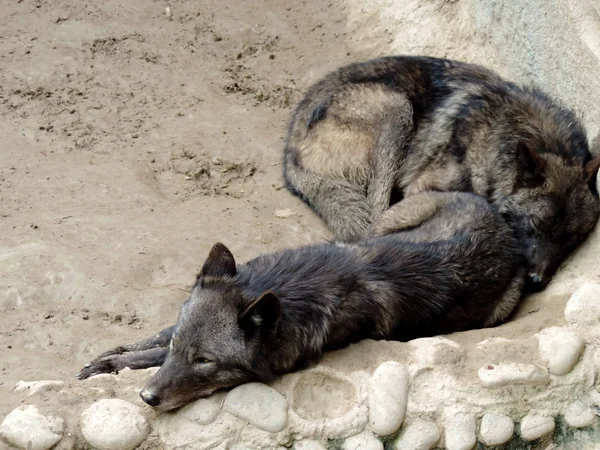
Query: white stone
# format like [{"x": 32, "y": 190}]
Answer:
[
  {"x": 560, "y": 348},
  {"x": 496, "y": 429},
  {"x": 460, "y": 430},
  {"x": 578, "y": 415},
  {"x": 308, "y": 444},
  {"x": 418, "y": 435},
  {"x": 35, "y": 387},
  {"x": 363, "y": 441},
  {"x": 114, "y": 424},
  {"x": 259, "y": 405},
  {"x": 203, "y": 411},
  {"x": 497, "y": 375},
  {"x": 583, "y": 308},
  {"x": 534, "y": 427},
  {"x": 388, "y": 394},
  {"x": 25, "y": 427}
]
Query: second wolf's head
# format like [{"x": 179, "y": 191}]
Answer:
[{"x": 554, "y": 207}]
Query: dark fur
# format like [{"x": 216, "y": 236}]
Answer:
[
  {"x": 455, "y": 265},
  {"x": 388, "y": 128}
]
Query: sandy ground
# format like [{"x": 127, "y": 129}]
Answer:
[{"x": 130, "y": 144}]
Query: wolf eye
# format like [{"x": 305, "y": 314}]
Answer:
[
  {"x": 536, "y": 224},
  {"x": 203, "y": 360}
]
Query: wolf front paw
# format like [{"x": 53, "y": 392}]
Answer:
[{"x": 98, "y": 366}]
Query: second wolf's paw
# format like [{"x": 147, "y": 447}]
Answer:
[{"x": 98, "y": 366}]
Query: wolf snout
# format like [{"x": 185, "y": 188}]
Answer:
[{"x": 150, "y": 398}]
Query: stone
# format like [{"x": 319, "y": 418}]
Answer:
[
  {"x": 496, "y": 429},
  {"x": 388, "y": 394},
  {"x": 363, "y": 441},
  {"x": 38, "y": 387},
  {"x": 560, "y": 348},
  {"x": 578, "y": 415},
  {"x": 114, "y": 424},
  {"x": 583, "y": 308},
  {"x": 534, "y": 427},
  {"x": 498, "y": 375},
  {"x": 25, "y": 427},
  {"x": 308, "y": 444},
  {"x": 259, "y": 405},
  {"x": 418, "y": 435},
  {"x": 203, "y": 411},
  {"x": 460, "y": 430}
]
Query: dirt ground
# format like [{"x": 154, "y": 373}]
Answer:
[{"x": 131, "y": 143}]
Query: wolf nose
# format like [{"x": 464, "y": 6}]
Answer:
[
  {"x": 150, "y": 398},
  {"x": 537, "y": 282}
]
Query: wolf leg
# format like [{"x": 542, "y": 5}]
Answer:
[
  {"x": 341, "y": 203},
  {"x": 388, "y": 157},
  {"x": 153, "y": 357},
  {"x": 148, "y": 352}
]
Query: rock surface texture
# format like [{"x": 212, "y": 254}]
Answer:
[
  {"x": 114, "y": 424},
  {"x": 388, "y": 395},
  {"x": 26, "y": 428}
]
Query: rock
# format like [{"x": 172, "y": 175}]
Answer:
[
  {"x": 203, "y": 411},
  {"x": 285, "y": 213},
  {"x": 388, "y": 394},
  {"x": 583, "y": 308},
  {"x": 427, "y": 353},
  {"x": 363, "y": 441},
  {"x": 308, "y": 444},
  {"x": 460, "y": 430},
  {"x": 25, "y": 427},
  {"x": 35, "y": 387},
  {"x": 259, "y": 405},
  {"x": 560, "y": 348},
  {"x": 114, "y": 424},
  {"x": 496, "y": 429},
  {"x": 419, "y": 435},
  {"x": 492, "y": 375},
  {"x": 578, "y": 415},
  {"x": 534, "y": 427}
]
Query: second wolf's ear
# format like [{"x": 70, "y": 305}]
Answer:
[
  {"x": 591, "y": 171},
  {"x": 263, "y": 312},
  {"x": 220, "y": 263},
  {"x": 531, "y": 167}
]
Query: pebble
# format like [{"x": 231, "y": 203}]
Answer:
[
  {"x": 497, "y": 375},
  {"x": 37, "y": 387},
  {"x": 578, "y": 415},
  {"x": 363, "y": 441},
  {"x": 285, "y": 213},
  {"x": 460, "y": 430},
  {"x": 388, "y": 395},
  {"x": 25, "y": 427},
  {"x": 114, "y": 424},
  {"x": 203, "y": 411},
  {"x": 496, "y": 429},
  {"x": 583, "y": 308},
  {"x": 560, "y": 348},
  {"x": 308, "y": 444},
  {"x": 259, "y": 405},
  {"x": 419, "y": 435},
  {"x": 534, "y": 427}
]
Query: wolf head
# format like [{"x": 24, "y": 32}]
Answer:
[
  {"x": 220, "y": 338},
  {"x": 554, "y": 206}
]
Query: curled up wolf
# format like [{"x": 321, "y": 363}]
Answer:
[
  {"x": 374, "y": 132},
  {"x": 441, "y": 262}
]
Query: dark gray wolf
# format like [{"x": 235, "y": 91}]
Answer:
[
  {"x": 457, "y": 265},
  {"x": 374, "y": 132}
]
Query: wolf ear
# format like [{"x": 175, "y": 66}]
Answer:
[
  {"x": 531, "y": 166},
  {"x": 590, "y": 172},
  {"x": 220, "y": 263},
  {"x": 263, "y": 312}
]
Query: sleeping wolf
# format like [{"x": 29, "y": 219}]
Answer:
[
  {"x": 387, "y": 128},
  {"x": 458, "y": 266}
]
